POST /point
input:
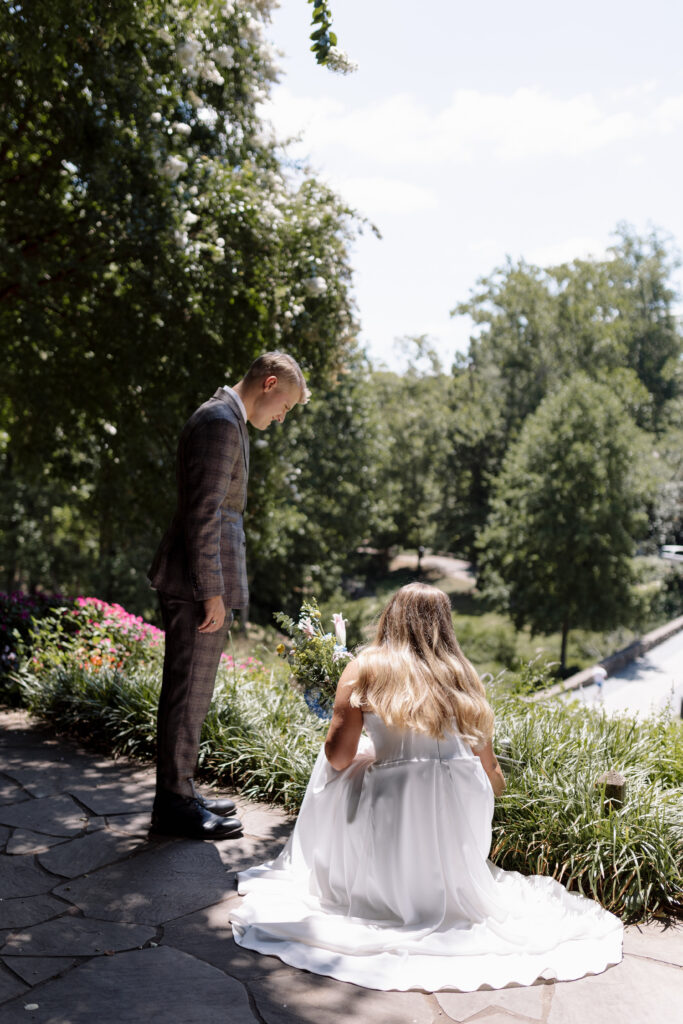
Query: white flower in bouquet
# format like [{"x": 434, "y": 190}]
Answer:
[{"x": 339, "y": 628}]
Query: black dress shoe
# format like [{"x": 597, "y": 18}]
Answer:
[
  {"x": 226, "y": 808},
  {"x": 175, "y": 815}
]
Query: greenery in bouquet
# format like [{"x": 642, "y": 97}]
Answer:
[{"x": 316, "y": 658}]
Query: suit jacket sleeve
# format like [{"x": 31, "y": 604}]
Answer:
[{"x": 209, "y": 460}]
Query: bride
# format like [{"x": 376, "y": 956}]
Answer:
[{"x": 385, "y": 880}]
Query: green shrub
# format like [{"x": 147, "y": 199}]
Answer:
[
  {"x": 550, "y": 820},
  {"x": 96, "y": 673},
  {"x": 19, "y": 614}
]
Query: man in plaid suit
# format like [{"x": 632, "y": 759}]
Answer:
[{"x": 200, "y": 573}]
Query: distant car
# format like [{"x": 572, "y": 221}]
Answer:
[{"x": 674, "y": 552}]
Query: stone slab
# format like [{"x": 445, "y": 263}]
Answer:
[
  {"x": 266, "y": 823},
  {"x": 171, "y": 879},
  {"x": 120, "y": 793},
  {"x": 25, "y": 842},
  {"x": 20, "y": 877},
  {"x": 636, "y": 990},
  {"x": 655, "y": 940},
  {"x": 146, "y": 985},
  {"x": 23, "y": 912},
  {"x": 289, "y": 996},
  {"x": 5, "y": 833},
  {"x": 10, "y": 985},
  {"x": 531, "y": 1002},
  {"x": 207, "y": 935},
  {"x": 89, "y": 852},
  {"x": 135, "y": 824},
  {"x": 52, "y": 815},
  {"x": 11, "y": 792},
  {"x": 19, "y": 731},
  {"x": 33, "y": 970},
  {"x": 245, "y": 852},
  {"x": 95, "y": 823},
  {"x": 75, "y": 936},
  {"x": 47, "y": 773}
]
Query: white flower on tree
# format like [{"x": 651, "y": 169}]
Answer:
[
  {"x": 210, "y": 73},
  {"x": 339, "y": 61},
  {"x": 190, "y": 218},
  {"x": 224, "y": 56},
  {"x": 155, "y": 118},
  {"x": 173, "y": 168},
  {"x": 188, "y": 51},
  {"x": 316, "y": 285},
  {"x": 207, "y": 116},
  {"x": 180, "y": 128}
]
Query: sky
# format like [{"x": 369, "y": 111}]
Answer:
[{"x": 473, "y": 132}]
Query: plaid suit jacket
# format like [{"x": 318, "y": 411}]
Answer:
[{"x": 203, "y": 552}]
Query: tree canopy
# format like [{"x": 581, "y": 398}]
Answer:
[
  {"x": 611, "y": 318},
  {"x": 566, "y": 511},
  {"x": 152, "y": 241}
]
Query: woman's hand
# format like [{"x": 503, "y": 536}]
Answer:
[
  {"x": 491, "y": 767},
  {"x": 345, "y": 728}
]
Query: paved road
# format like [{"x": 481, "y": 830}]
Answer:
[
  {"x": 442, "y": 565},
  {"x": 648, "y": 684}
]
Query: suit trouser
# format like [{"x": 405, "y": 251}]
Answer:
[{"x": 191, "y": 661}]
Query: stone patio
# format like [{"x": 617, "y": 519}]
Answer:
[{"x": 99, "y": 922}]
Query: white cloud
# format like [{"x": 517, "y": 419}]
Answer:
[
  {"x": 669, "y": 114},
  {"x": 528, "y": 124},
  {"x": 376, "y": 195},
  {"x": 578, "y": 247}
]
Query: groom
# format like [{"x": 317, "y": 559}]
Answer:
[{"x": 200, "y": 572}]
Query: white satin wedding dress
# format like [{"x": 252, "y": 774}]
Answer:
[{"x": 385, "y": 881}]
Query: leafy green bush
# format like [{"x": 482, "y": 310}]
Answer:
[
  {"x": 18, "y": 615},
  {"x": 551, "y": 820},
  {"x": 97, "y": 674}
]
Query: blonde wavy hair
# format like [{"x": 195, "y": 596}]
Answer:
[{"x": 414, "y": 674}]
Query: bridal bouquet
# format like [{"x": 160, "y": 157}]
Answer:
[{"x": 316, "y": 657}]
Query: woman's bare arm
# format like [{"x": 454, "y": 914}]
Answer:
[
  {"x": 491, "y": 767},
  {"x": 345, "y": 728}
]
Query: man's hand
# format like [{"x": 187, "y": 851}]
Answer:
[{"x": 214, "y": 615}]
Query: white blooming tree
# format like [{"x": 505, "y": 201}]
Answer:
[{"x": 152, "y": 244}]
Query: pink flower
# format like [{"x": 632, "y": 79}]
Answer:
[
  {"x": 306, "y": 627},
  {"x": 340, "y": 628}
]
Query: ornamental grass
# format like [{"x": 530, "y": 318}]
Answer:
[{"x": 95, "y": 672}]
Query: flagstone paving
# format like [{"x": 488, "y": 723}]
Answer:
[{"x": 101, "y": 922}]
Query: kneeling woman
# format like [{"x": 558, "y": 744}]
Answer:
[{"x": 385, "y": 881}]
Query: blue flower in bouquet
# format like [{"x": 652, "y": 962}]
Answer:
[{"x": 317, "y": 658}]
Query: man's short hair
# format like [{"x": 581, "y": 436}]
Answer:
[{"x": 282, "y": 366}]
